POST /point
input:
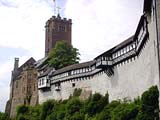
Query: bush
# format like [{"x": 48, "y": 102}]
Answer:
[
  {"x": 77, "y": 116},
  {"x": 73, "y": 106},
  {"x": 22, "y": 109},
  {"x": 96, "y": 107},
  {"x": 4, "y": 116},
  {"x": 125, "y": 111},
  {"x": 47, "y": 108},
  {"x": 150, "y": 104},
  {"x": 106, "y": 113},
  {"x": 61, "y": 115},
  {"x": 97, "y": 104}
]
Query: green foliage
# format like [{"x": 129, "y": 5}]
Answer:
[
  {"x": 106, "y": 113},
  {"x": 96, "y": 104},
  {"x": 150, "y": 104},
  {"x": 73, "y": 106},
  {"x": 77, "y": 116},
  {"x": 125, "y": 111},
  {"x": 4, "y": 116},
  {"x": 96, "y": 107},
  {"x": 63, "y": 55},
  {"x": 46, "y": 109},
  {"x": 22, "y": 109}
]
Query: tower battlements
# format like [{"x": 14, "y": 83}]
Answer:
[{"x": 58, "y": 18}]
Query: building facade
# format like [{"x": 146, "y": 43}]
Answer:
[
  {"x": 125, "y": 71},
  {"x": 57, "y": 29},
  {"x": 23, "y": 86}
]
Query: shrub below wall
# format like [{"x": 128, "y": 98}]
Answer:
[{"x": 96, "y": 107}]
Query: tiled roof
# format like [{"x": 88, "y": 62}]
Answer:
[
  {"x": 49, "y": 69},
  {"x": 73, "y": 67},
  {"x": 40, "y": 62},
  {"x": 117, "y": 47}
]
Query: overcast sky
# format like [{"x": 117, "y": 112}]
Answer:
[{"x": 97, "y": 26}]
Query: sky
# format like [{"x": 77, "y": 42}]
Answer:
[{"x": 98, "y": 25}]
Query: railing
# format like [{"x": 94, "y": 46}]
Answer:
[
  {"x": 125, "y": 56},
  {"x": 69, "y": 77},
  {"x": 45, "y": 85},
  {"x": 103, "y": 63},
  {"x": 141, "y": 36}
]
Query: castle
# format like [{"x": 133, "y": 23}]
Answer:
[{"x": 125, "y": 71}]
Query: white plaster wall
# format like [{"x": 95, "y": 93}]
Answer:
[
  {"x": 44, "y": 96},
  {"x": 133, "y": 78}
]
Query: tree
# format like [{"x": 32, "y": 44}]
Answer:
[
  {"x": 63, "y": 55},
  {"x": 4, "y": 116},
  {"x": 150, "y": 105}
]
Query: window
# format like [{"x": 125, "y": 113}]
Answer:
[
  {"x": 69, "y": 73},
  {"x": 61, "y": 28},
  {"x": 29, "y": 90},
  {"x": 73, "y": 84},
  {"x": 23, "y": 90},
  {"x": 47, "y": 81},
  {"x": 16, "y": 84},
  {"x": 122, "y": 51},
  {"x": 118, "y": 53},
  {"x": 29, "y": 77},
  {"x": 87, "y": 69},
  {"x": 34, "y": 87},
  {"x": 39, "y": 82},
  {"x": 127, "y": 48},
  {"x": 42, "y": 81}
]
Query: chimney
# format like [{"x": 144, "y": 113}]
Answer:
[{"x": 16, "y": 63}]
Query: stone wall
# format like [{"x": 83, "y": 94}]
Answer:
[{"x": 24, "y": 87}]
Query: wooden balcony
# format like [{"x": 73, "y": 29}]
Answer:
[
  {"x": 103, "y": 63},
  {"x": 43, "y": 83}
]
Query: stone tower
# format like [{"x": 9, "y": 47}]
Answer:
[
  {"x": 23, "y": 86},
  {"x": 57, "y": 28}
]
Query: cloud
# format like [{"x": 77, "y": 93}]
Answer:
[
  {"x": 5, "y": 73},
  {"x": 22, "y": 35},
  {"x": 11, "y": 52},
  {"x": 4, "y": 97},
  {"x": 23, "y": 26},
  {"x": 6, "y": 3},
  {"x": 6, "y": 65},
  {"x": 99, "y": 25}
]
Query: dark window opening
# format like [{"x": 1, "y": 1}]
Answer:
[
  {"x": 17, "y": 84},
  {"x": 73, "y": 84}
]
